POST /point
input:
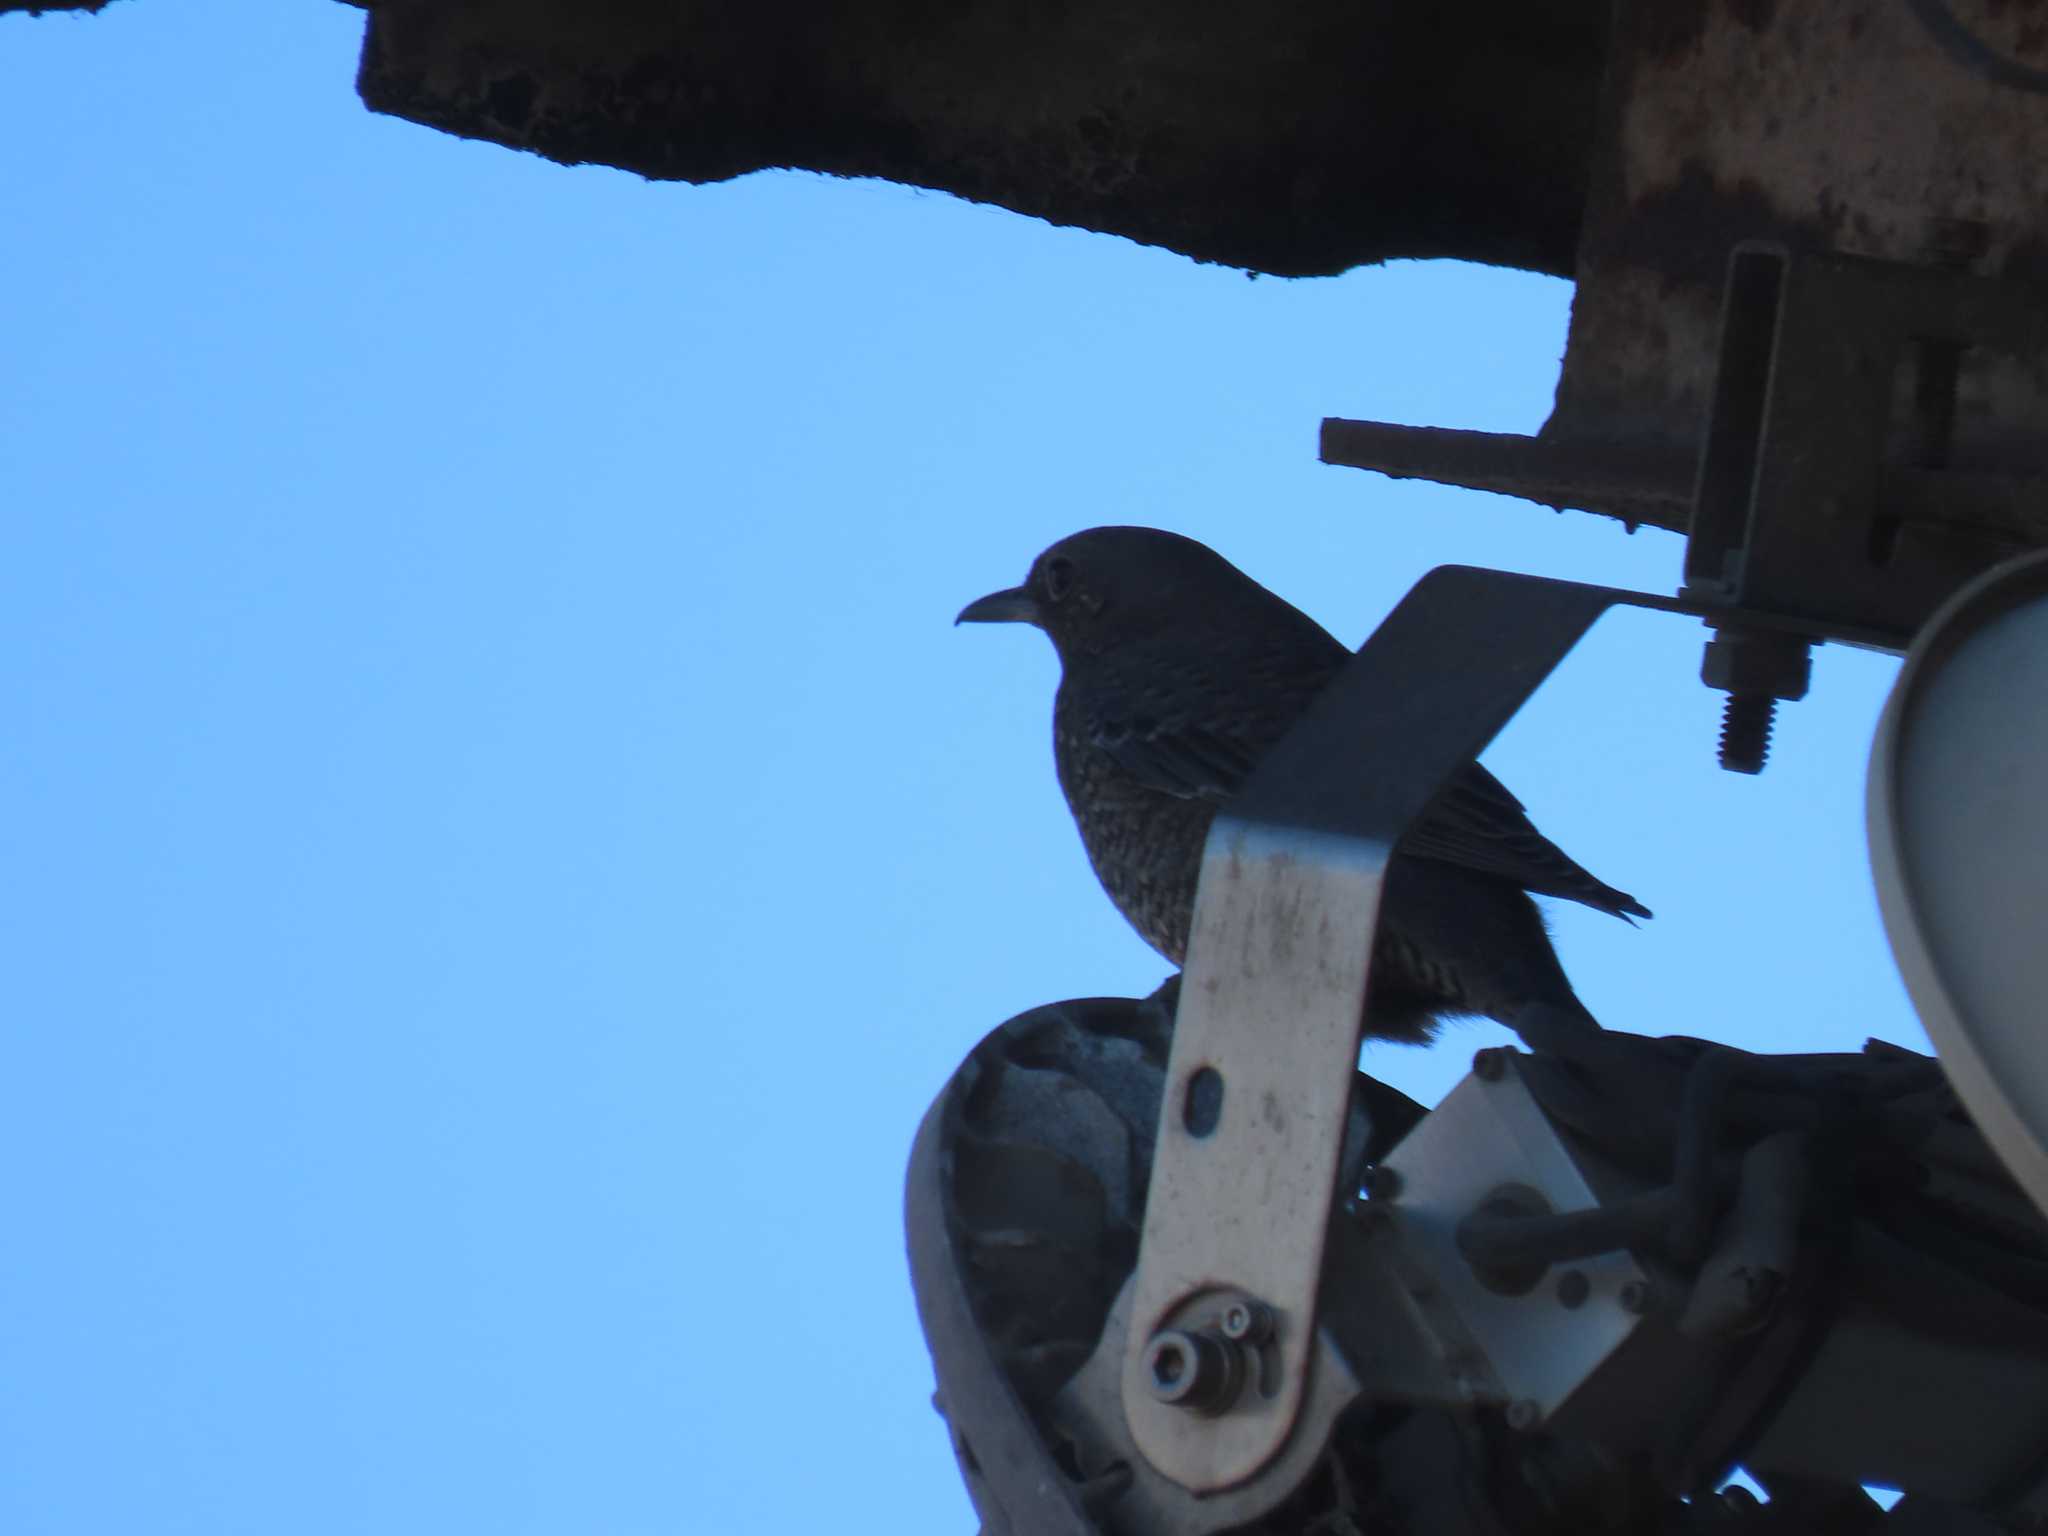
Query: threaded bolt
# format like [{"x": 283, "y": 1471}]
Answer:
[
  {"x": 1746, "y": 731},
  {"x": 1755, "y": 668}
]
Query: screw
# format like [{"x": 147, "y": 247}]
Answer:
[
  {"x": 1746, "y": 731},
  {"x": 1573, "y": 1288},
  {"x": 1382, "y": 1182},
  {"x": 1246, "y": 1321},
  {"x": 1634, "y": 1297},
  {"x": 1523, "y": 1414}
]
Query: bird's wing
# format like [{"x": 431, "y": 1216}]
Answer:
[
  {"x": 1476, "y": 823},
  {"x": 1174, "y": 755}
]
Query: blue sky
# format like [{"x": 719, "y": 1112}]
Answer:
[{"x": 503, "y": 841}]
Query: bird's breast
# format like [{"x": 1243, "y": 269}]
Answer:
[{"x": 1144, "y": 845}]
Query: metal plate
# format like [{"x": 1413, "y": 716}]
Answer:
[
  {"x": 1958, "y": 825},
  {"x": 1270, "y": 1005},
  {"x": 1284, "y": 919},
  {"x": 1486, "y": 1134}
]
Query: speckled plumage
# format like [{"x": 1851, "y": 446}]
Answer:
[{"x": 1178, "y": 672}]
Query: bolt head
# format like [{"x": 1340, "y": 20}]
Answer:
[
  {"x": 1196, "y": 1371},
  {"x": 1523, "y": 1414},
  {"x": 1171, "y": 1365},
  {"x": 1246, "y": 1321},
  {"x": 1634, "y": 1297}
]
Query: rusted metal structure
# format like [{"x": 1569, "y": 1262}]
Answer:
[{"x": 1630, "y": 151}]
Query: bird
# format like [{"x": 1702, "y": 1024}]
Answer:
[{"x": 1178, "y": 672}]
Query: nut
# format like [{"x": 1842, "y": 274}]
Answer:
[{"x": 1196, "y": 1370}]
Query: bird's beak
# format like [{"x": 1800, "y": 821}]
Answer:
[{"x": 1013, "y": 605}]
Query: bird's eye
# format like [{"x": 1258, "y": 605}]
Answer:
[{"x": 1059, "y": 578}]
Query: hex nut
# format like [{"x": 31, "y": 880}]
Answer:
[{"x": 1192, "y": 1369}]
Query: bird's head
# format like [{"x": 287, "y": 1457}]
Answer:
[{"x": 1108, "y": 586}]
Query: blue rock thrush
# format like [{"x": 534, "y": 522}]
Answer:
[{"x": 1177, "y": 673}]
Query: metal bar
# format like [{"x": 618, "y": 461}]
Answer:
[
  {"x": 1617, "y": 477},
  {"x": 1505, "y": 1242},
  {"x": 1267, "y": 1031}
]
